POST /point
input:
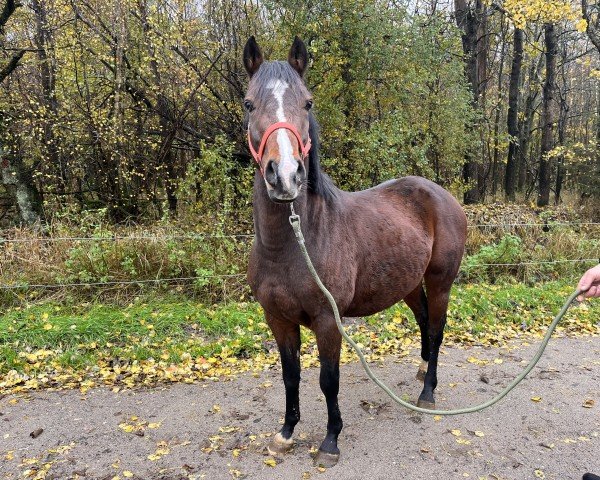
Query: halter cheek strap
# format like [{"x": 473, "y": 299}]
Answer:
[{"x": 304, "y": 147}]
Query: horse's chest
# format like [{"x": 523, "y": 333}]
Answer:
[
  {"x": 277, "y": 286},
  {"x": 277, "y": 295}
]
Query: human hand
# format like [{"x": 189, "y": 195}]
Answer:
[{"x": 590, "y": 284}]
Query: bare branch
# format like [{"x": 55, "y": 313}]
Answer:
[{"x": 12, "y": 65}]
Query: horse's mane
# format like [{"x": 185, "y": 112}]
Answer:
[{"x": 319, "y": 182}]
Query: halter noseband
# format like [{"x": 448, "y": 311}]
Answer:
[{"x": 304, "y": 147}]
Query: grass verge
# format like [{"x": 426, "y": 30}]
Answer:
[{"x": 173, "y": 339}]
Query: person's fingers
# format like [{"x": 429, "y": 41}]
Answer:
[
  {"x": 589, "y": 278},
  {"x": 594, "y": 291},
  {"x": 586, "y": 281}
]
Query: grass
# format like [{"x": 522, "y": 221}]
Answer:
[{"x": 175, "y": 339}]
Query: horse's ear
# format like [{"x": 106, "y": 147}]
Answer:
[
  {"x": 298, "y": 57},
  {"x": 253, "y": 57}
]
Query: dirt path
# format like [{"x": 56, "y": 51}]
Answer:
[{"x": 218, "y": 430}]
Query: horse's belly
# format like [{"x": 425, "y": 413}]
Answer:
[{"x": 381, "y": 285}]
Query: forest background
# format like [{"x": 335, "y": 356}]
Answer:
[{"x": 123, "y": 156}]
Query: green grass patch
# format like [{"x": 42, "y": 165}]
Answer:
[{"x": 164, "y": 329}]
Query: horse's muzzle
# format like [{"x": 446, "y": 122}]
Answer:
[{"x": 284, "y": 180}]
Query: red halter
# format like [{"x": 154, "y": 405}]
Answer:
[{"x": 304, "y": 148}]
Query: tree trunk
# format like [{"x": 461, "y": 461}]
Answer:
[
  {"x": 496, "y": 156},
  {"x": 548, "y": 116},
  {"x": 19, "y": 183},
  {"x": 44, "y": 42},
  {"x": 512, "y": 120},
  {"x": 168, "y": 130},
  {"x": 469, "y": 20}
]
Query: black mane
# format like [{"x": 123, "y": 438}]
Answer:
[{"x": 318, "y": 181}]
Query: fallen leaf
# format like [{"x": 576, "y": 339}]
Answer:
[
  {"x": 536, "y": 399},
  {"x": 589, "y": 403},
  {"x": 270, "y": 462}
]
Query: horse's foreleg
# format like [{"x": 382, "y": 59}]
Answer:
[
  {"x": 437, "y": 306},
  {"x": 287, "y": 336},
  {"x": 329, "y": 342}
]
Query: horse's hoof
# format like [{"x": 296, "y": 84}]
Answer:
[
  {"x": 327, "y": 460},
  {"x": 425, "y": 404},
  {"x": 280, "y": 446},
  {"x": 422, "y": 371}
]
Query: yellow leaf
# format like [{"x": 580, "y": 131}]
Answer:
[
  {"x": 539, "y": 474},
  {"x": 154, "y": 425},
  {"x": 437, "y": 418},
  {"x": 47, "y": 326},
  {"x": 270, "y": 462},
  {"x": 127, "y": 473},
  {"x": 479, "y": 434},
  {"x": 228, "y": 429},
  {"x": 456, "y": 432},
  {"x": 536, "y": 399},
  {"x": 126, "y": 427}
]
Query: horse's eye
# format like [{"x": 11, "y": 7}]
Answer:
[
  {"x": 248, "y": 105},
  {"x": 309, "y": 104}
]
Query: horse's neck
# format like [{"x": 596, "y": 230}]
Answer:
[{"x": 271, "y": 220}]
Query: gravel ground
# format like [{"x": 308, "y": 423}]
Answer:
[{"x": 218, "y": 430}]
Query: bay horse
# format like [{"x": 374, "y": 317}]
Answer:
[{"x": 401, "y": 240}]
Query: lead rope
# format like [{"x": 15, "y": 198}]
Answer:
[{"x": 295, "y": 222}]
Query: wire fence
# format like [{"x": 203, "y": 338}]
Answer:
[
  {"x": 202, "y": 279},
  {"x": 202, "y": 236}
]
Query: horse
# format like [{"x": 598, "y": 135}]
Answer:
[{"x": 401, "y": 240}]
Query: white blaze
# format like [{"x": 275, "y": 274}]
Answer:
[{"x": 287, "y": 163}]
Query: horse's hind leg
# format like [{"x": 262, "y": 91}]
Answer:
[
  {"x": 437, "y": 301},
  {"x": 287, "y": 335},
  {"x": 329, "y": 342},
  {"x": 417, "y": 302}
]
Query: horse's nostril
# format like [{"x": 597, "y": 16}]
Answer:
[
  {"x": 300, "y": 172},
  {"x": 271, "y": 172}
]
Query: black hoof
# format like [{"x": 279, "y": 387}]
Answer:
[
  {"x": 280, "y": 446},
  {"x": 426, "y": 404},
  {"x": 327, "y": 460}
]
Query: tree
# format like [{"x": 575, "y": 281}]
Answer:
[
  {"x": 512, "y": 121},
  {"x": 470, "y": 18},
  {"x": 14, "y": 175}
]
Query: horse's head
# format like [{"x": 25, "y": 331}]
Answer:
[{"x": 277, "y": 108}]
